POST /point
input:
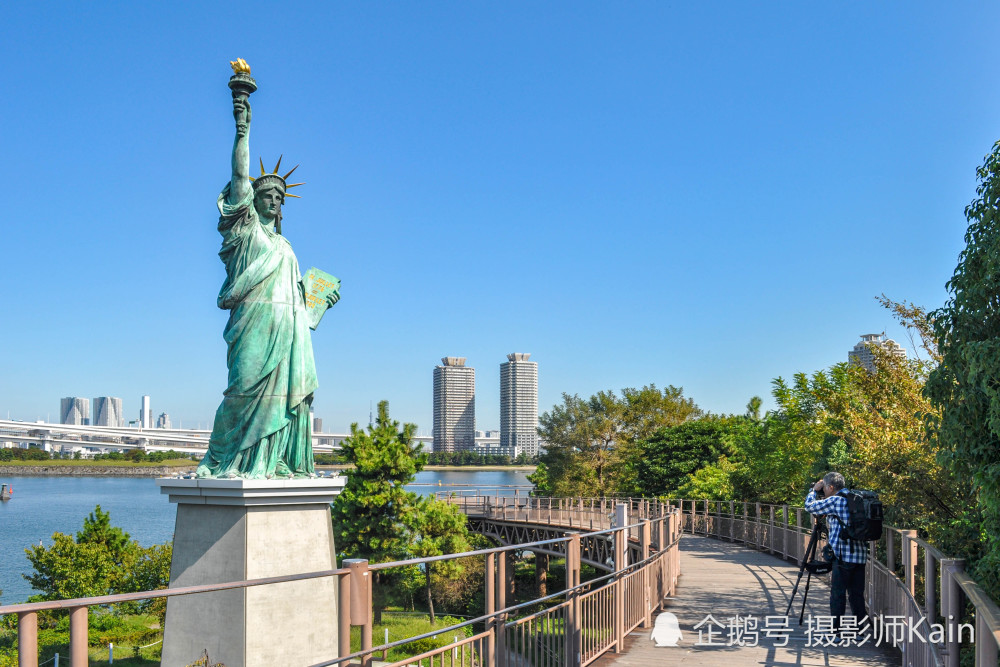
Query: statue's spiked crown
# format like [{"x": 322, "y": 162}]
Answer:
[{"x": 272, "y": 179}]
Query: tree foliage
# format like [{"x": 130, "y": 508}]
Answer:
[
  {"x": 374, "y": 514},
  {"x": 965, "y": 387},
  {"x": 588, "y": 441},
  {"x": 664, "y": 461},
  {"x": 440, "y": 529},
  {"x": 377, "y": 519},
  {"x": 101, "y": 560}
]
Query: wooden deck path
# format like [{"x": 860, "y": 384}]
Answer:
[{"x": 726, "y": 580}]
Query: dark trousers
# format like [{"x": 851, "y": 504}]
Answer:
[{"x": 848, "y": 579}]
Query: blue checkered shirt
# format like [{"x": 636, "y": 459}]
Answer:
[{"x": 846, "y": 549}]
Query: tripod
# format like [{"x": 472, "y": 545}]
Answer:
[{"x": 810, "y": 563}]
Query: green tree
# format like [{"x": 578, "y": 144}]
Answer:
[
  {"x": 588, "y": 441},
  {"x": 672, "y": 454},
  {"x": 101, "y": 560},
  {"x": 965, "y": 387},
  {"x": 374, "y": 516},
  {"x": 440, "y": 529}
]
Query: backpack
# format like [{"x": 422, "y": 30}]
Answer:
[{"x": 864, "y": 510}]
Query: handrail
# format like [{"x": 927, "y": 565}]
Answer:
[
  {"x": 652, "y": 527},
  {"x": 891, "y": 587}
]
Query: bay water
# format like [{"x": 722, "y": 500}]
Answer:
[{"x": 42, "y": 506}]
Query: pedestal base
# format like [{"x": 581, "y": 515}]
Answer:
[{"x": 233, "y": 530}]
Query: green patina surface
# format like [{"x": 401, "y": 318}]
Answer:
[{"x": 262, "y": 428}]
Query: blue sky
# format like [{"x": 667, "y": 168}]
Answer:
[{"x": 708, "y": 195}]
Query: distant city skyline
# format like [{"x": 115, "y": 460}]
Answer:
[{"x": 698, "y": 190}]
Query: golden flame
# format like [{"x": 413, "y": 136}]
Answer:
[{"x": 239, "y": 65}]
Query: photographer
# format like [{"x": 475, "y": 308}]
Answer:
[{"x": 848, "y": 556}]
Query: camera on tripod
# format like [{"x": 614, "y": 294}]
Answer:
[{"x": 810, "y": 563}]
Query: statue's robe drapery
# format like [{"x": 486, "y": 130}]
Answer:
[{"x": 262, "y": 428}]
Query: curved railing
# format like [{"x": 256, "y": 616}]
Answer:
[
  {"x": 573, "y": 626},
  {"x": 907, "y": 578}
]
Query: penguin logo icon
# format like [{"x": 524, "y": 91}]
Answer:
[{"x": 666, "y": 630}]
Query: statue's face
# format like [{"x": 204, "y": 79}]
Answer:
[{"x": 268, "y": 203}]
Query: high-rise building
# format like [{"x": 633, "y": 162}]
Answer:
[
  {"x": 108, "y": 412},
  {"x": 74, "y": 411},
  {"x": 163, "y": 421},
  {"x": 317, "y": 424},
  {"x": 145, "y": 414},
  {"x": 454, "y": 406},
  {"x": 862, "y": 353},
  {"x": 519, "y": 404}
]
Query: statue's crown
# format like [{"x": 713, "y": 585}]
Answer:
[{"x": 268, "y": 179}]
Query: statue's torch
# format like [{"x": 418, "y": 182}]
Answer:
[{"x": 241, "y": 83}]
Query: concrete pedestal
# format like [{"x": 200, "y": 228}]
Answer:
[{"x": 233, "y": 530}]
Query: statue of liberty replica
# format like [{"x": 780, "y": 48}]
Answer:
[
  {"x": 263, "y": 428},
  {"x": 255, "y": 509}
]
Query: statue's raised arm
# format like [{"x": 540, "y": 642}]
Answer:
[{"x": 242, "y": 84}]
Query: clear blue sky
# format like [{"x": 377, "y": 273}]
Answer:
[{"x": 708, "y": 195}]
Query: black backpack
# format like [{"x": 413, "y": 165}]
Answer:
[{"x": 864, "y": 510}]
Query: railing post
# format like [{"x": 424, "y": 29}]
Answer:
[
  {"x": 890, "y": 551},
  {"x": 986, "y": 644},
  {"x": 770, "y": 529},
  {"x": 732, "y": 521},
  {"x": 661, "y": 593},
  {"x": 78, "y": 637},
  {"x": 909, "y": 559},
  {"x": 952, "y": 603},
  {"x": 930, "y": 601},
  {"x": 573, "y": 632},
  {"x": 344, "y": 609},
  {"x": 621, "y": 537},
  {"x": 501, "y": 600},
  {"x": 361, "y": 603},
  {"x": 784, "y": 534},
  {"x": 491, "y": 607},
  {"x": 645, "y": 538},
  {"x": 798, "y": 535},
  {"x": 27, "y": 639},
  {"x": 760, "y": 527}
]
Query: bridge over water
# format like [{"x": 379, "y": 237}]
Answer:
[{"x": 647, "y": 559}]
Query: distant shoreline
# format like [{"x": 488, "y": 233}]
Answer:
[
  {"x": 76, "y": 468},
  {"x": 89, "y": 469}
]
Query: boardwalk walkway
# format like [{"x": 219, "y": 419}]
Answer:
[{"x": 726, "y": 580}]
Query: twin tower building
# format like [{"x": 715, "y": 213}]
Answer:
[{"x": 455, "y": 406}]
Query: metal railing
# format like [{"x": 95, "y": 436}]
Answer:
[
  {"x": 578, "y": 624},
  {"x": 906, "y": 578}
]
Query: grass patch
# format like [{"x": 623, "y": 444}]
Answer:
[{"x": 402, "y": 626}]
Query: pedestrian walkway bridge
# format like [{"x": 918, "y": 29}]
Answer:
[{"x": 692, "y": 568}]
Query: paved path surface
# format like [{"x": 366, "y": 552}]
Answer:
[{"x": 726, "y": 580}]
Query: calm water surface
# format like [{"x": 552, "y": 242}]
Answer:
[{"x": 45, "y": 505}]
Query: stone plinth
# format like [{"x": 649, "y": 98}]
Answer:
[{"x": 233, "y": 530}]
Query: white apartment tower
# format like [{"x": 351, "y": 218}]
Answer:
[
  {"x": 454, "y": 406},
  {"x": 74, "y": 411},
  {"x": 145, "y": 414},
  {"x": 519, "y": 404},
  {"x": 862, "y": 352},
  {"x": 108, "y": 412}
]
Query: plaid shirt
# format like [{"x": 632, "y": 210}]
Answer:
[{"x": 846, "y": 549}]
